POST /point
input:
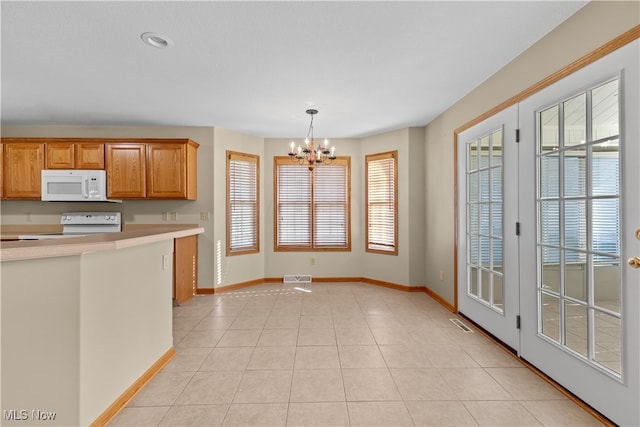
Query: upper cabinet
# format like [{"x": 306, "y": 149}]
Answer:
[
  {"x": 139, "y": 168},
  {"x": 21, "y": 165},
  {"x": 126, "y": 170},
  {"x": 172, "y": 170}
]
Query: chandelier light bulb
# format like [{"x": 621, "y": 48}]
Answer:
[{"x": 310, "y": 154}]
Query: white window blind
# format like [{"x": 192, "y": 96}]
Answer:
[
  {"x": 382, "y": 194},
  {"x": 312, "y": 209},
  {"x": 242, "y": 203}
]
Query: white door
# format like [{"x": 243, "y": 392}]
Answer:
[
  {"x": 579, "y": 211},
  {"x": 487, "y": 213}
]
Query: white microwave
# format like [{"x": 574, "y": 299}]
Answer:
[{"x": 74, "y": 185}]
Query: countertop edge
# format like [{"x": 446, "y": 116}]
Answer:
[{"x": 36, "y": 249}]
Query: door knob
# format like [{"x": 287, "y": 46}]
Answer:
[
  {"x": 638, "y": 234},
  {"x": 634, "y": 262}
]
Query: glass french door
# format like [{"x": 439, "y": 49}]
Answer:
[
  {"x": 488, "y": 289},
  {"x": 579, "y": 210}
]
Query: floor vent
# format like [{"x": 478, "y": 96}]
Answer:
[
  {"x": 303, "y": 278},
  {"x": 461, "y": 325}
]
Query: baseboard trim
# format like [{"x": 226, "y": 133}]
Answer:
[
  {"x": 446, "y": 304},
  {"x": 122, "y": 401}
]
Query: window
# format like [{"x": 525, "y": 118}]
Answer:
[
  {"x": 243, "y": 187},
  {"x": 382, "y": 202},
  {"x": 312, "y": 210}
]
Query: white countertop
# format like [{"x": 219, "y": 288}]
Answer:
[{"x": 48, "y": 248}]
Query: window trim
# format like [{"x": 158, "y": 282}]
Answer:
[
  {"x": 277, "y": 160},
  {"x": 249, "y": 158},
  {"x": 370, "y": 158}
]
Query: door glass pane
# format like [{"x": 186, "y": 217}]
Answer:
[
  {"x": 576, "y": 329},
  {"x": 575, "y": 121},
  {"x": 549, "y": 124},
  {"x": 606, "y": 225},
  {"x": 605, "y": 169},
  {"x": 496, "y": 184},
  {"x": 498, "y": 290},
  {"x": 485, "y": 285},
  {"x": 550, "y": 316},
  {"x": 604, "y": 113},
  {"x": 551, "y": 274},
  {"x": 575, "y": 172},
  {"x": 606, "y": 283},
  {"x": 473, "y": 155},
  {"x": 575, "y": 275},
  {"x": 550, "y": 219},
  {"x": 575, "y": 224},
  {"x": 496, "y": 148},
  {"x": 473, "y": 219},
  {"x": 496, "y": 219},
  {"x": 607, "y": 340},
  {"x": 473, "y": 281},
  {"x": 484, "y": 185},
  {"x": 550, "y": 179}
]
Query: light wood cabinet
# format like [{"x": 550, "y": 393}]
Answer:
[
  {"x": 74, "y": 155},
  {"x": 126, "y": 170},
  {"x": 185, "y": 268},
  {"x": 171, "y": 170},
  {"x": 22, "y": 163}
]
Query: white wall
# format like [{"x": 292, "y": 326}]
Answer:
[{"x": 234, "y": 269}]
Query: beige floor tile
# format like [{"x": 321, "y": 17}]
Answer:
[
  {"x": 282, "y": 322},
  {"x": 501, "y": 413},
  {"x": 318, "y": 385},
  {"x": 523, "y": 384},
  {"x": 139, "y": 416},
  {"x": 317, "y": 357},
  {"x": 474, "y": 384},
  {"x": 324, "y": 321},
  {"x": 185, "y": 323},
  {"x": 422, "y": 384},
  {"x": 214, "y": 322},
  {"x": 354, "y": 336},
  {"x": 278, "y": 337},
  {"x": 440, "y": 413},
  {"x": 328, "y": 414},
  {"x": 401, "y": 356},
  {"x": 361, "y": 357},
  {"x": 390, "y": 336},
  {"x": 227, "y": 359},
  {"x": 448, "y": 356},
  {"x": 187, "y": 359},
  {"x": 256, "y": 414},
  {"x": 272, "y": 358},
  {"x": 560, "y": 413},
  {"x": 163, "y": 389},
  {"x": 247, "y": 322},
  {"x": 369, "y": 385},
  {"x": 208, "y": 388},
  {"x": 371, "y": 414},
  {"x": 315, "y": 336},
  {"x": 267, "y": 386},
  {"x": 240, "y": 338},
  {"x": 201, "y": 338},
  {"x": 196, "y": 415},
  {"x": 178, "y": 336},
  {"x": 349, "y": 320},
  {"x": 489, "y": 355},
  {"x": 382, "y": 321}
]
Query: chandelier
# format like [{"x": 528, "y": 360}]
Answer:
[{"x": 309, "y": 153}]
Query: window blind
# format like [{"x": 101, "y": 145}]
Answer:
[
  {"x": 381, "y": 171},
  {"x": 242, "y": 203}
]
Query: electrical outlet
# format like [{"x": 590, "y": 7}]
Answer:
[
  {"x": 312, "y": 261},
  {"x": 441, "y": 275},
  {"x": 164, "y": 216},
  {"x": 174, "y": 216},
  {"x": 166, "y": 262},
  {"x": 204, "y": 216}
]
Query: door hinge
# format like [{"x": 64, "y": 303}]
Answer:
[
  {"x": 518, "y": 321},
  {"x": 517, "y": 135},
  {"x": 517, "y": 228}
]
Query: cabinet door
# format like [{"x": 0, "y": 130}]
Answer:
[
  {"x": 167, "y": 171},
  {"x": 185, "y": 265},
  {"x": 125, "y": 164},
  {"x": 60, "y": 155},
  {"x": 89, "y": 155},
  {"x": 22, "y": 166}
]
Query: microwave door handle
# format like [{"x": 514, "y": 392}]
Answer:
[{"x": 85, "y": 187}]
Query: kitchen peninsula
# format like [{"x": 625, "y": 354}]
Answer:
[{"x": 86, "y": 321}]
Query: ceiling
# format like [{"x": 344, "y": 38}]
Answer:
[{"x": 255, "y": 67}]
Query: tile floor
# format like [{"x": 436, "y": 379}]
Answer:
[{"x": 347, "y": 354}]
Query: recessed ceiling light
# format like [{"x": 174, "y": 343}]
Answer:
[{"x": 156, "y": 40}]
